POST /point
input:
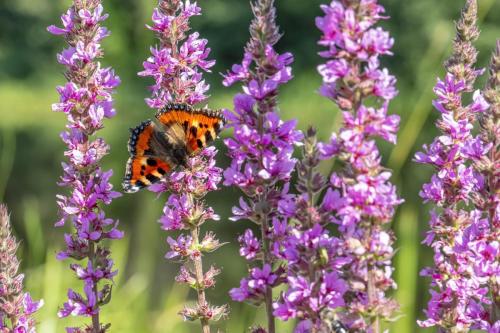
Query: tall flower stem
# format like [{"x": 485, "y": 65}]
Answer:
[
  {"x": 185, "y": 210},
  {"x": 489, "y": 123},
  {"x": 95, "y": 317},
  {"x": 176, "y": 65},
  {"x": 86, "y": 99},
  {"x": 462, "y": 233},
  {"x": 372, "y": 296},
  {"x": 198, "y": 265},
  {"x": 354, "y": 80},
  {"x": 315, "y": 289},
  {"x": 266, "y": 260},
  {"x": 261, "y": 153}
]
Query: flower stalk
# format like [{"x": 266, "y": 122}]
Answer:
[
  {"x": 199, "y": 279},
  {"x": 315, "y": 290},
  {"x": 86, "y": 100},
  {"x": 176, "y": 66},
  {"x": 261, "y": 153},
  {"x": 463, "y": 233},
  {"x": 489, "y": 167},
  {"x": 185, "y": 210},
  {"x": 354, "y": 80}
]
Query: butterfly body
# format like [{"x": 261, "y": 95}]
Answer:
[{"x": 157, "y": 148}]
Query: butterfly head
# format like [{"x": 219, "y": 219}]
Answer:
[{"x": 179, "y": 156}]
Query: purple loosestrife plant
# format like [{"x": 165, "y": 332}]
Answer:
[
  {"x": 261, "y": 155},
  {"x": 465, "y": 225},
  {"x": 489, "y": 199},
  {"x": 16, "y": 307},
  {"x": 366, "y": 201},
  {"x": 86, "y": 99},
  {"x": 310, "y": 251},
  {"x": 176, "y": 65}
]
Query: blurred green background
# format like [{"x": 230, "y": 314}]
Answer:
[{"x": 145, "y": 299}]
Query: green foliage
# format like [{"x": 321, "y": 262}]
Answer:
[{"x": 145, "y": 298}]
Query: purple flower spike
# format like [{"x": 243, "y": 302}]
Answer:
[
  {"x": 86, "y": 100},
  {"x": 16, "y": 307},
  {"x": 261, "y": 153},
  {"x": 314, "y": 287},
  {"x": 176, "y": 66},
  {"x": 465, "y": 229},
  {"x": 361, "y": 200}
]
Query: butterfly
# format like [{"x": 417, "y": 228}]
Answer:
[{"x": 157, "y": 148}]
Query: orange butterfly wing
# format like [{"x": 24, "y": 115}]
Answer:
[
  {"x": 143, "y": 169},
  {"x": 201, "y": 126}
]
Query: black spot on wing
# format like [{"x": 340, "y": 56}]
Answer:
[
  {"x": 140, "y": 183},
  {"x": 152, "y": 178},
  {"x": 151, "y": 162},
  {"x": 199, "y": 143},
  {"x": 194, "y": 131},
  {"x": 208, "y": 136}
]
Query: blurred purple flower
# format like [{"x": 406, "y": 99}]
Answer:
[{"x": 16, "y": 307}]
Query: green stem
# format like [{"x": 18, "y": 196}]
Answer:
[
  {"x": 264, "y": 227},
  {"x": 198, "y": 267},
  {"x": 310, "y": 204},
  {"x": 375, "y": 323},
  {"x": 96, "y": 326}
]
